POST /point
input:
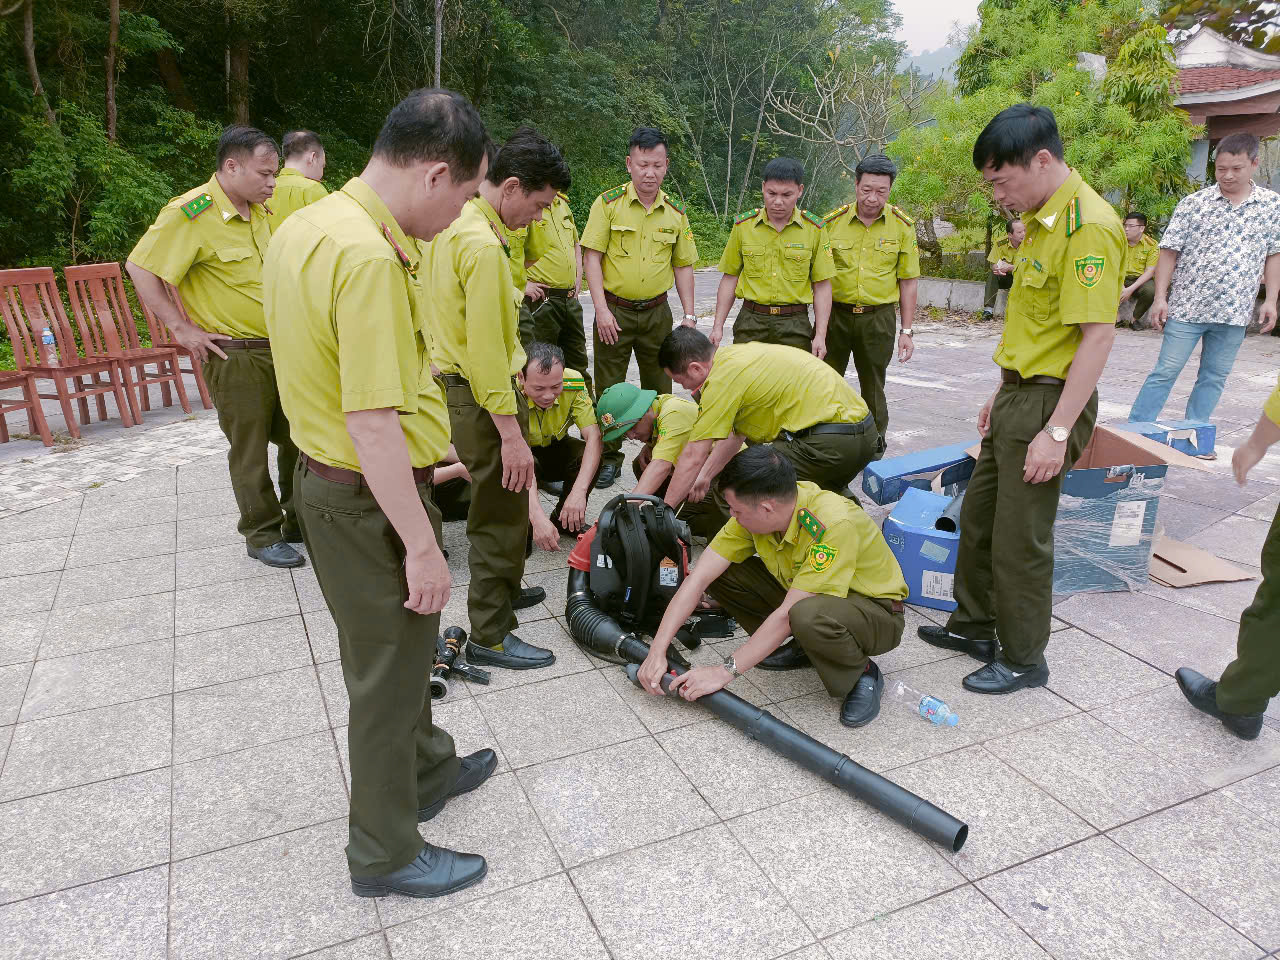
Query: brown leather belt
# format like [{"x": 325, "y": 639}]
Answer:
[
  {"x": 617, "y": 301},
  {"x": 559, "y": 294},
  {"x": 857, "y": 307},
  {"x": 355, "y": 479},
  {"x": 848, "y": 429},
  {"x": 775, "y": 310},
  {"x": 1017, "y": 379},
  {"x": 244, "y": 343}
]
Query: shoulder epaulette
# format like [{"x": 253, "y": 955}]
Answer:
[
  {"x": 611, "y": 195},
  {"x": 744, "y": 217},
  {"x": 498, "y": 233},
  {"x": 563, "y": 196},
  {"x": 897, "y": 212},
  {"x": 1073, "y": 216},
  {"x": 813, "y": 218},
  {"x": 575, "y": 383},
  {"x": 678, "y": 205},
  {"x": 197, "y": 205},
  {"x": 836, "y": 213},
  {"x": 815, "y": 527}
]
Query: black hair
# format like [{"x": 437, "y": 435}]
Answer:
[
  {"x": 1134, "y": 215},
  {"x": 647, "y": 138},
  {"x": 877, "y": 163},
  {"x": 429, "y": 125},
  {"x": 1245, "y": 143},
  {"x": 297, "y": 142},
  {"x": 758, "y": 473},
  {"x": 683, "y": 346},
  {"x": 532, "y": 159},
  {"x": 545, "y": 355},
  {"x": 1015, "y": 135},
  {"x": 241, "y": 141},
  {"x": 784, "y": 170},
  {"x": 1009, "y": 225}
]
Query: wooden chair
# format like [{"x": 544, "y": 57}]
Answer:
[
  {"x": 30, "y": 302},
  {"x": 107, "y": 328},
  {"x": 30, "y": 402},
  {"x": 163, "y": 336}
]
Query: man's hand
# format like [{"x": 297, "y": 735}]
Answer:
[
  {"x": 1159, "y": 313},
  {"x": 644, "y": 458},
  {"x": 1044, "y": 458},
  {"x": 1267, "y": 316},
  {"x": 818, "y": 347},
  {"x": 984, "y": 415},
  {"x": 700, "y": 681},
  {"x": 717, "y": 334},
  {"x": 1001, "y": 268},
  {"x": 906, "y": 347},
  {"x": 1245, "y": 459},
  {"x": 199, "y": 342},
  {"x": 535, "y": 291},
  {"x": 701, "y": 487},
  {"x": 573, "y": 515},
  {"x": 517, "y": 465},
  {"x": 607, "y": 328},
  {"x": 651, "y": 671},
  {"x": 545, "y": 534},
  {"x": 1125, "y": 294},
  {"x": 427, "y": 575}
]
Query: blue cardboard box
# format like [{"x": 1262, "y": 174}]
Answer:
[
  {"x": 885, "y": 481},
  {"x": 926, "y": 555},
  {"x": 1192, "y": 437}
]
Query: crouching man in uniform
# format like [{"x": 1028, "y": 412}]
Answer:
[{"x": 794, "y": 560}]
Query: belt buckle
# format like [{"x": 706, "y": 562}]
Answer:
[{"x": 774, "y": 311}]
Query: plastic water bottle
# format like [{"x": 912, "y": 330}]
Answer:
[
  {"x": 50, "y": 350},
  {"x": 929, "y": 707}
]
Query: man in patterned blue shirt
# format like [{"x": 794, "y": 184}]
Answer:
[{"x": 1219, "y": 241}]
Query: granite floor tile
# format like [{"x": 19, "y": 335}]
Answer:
[
  {"x": 1094, "y": 771},
  {"x": 372, "y": 947},
  {"x": 322, "y": 636},
  {"x": 1214, "y": 490},
  {"x": 246, "y": 713},
  {"x": 83, "y": 834},
  {"x": 219, "y": 565},
  {"x": 123, "y": 918},
  {"x": 310, "y": 597},
  {"x": 13, "y": 687},
  {"x": 290, "y": 893},
  {"x": 99, "y": 679},
  {"x": 543, "y": 721},
  {"x": 115, "y": 581},
  {"x": 112, "y": 623},
  {"x": 76, "y": 748},
  {"x": 153, "y": 483},
  {"x": 1260, "y": 793},
  {"x": 97, "y": 547},
  {"x": 1238, "y": 539},
  {"x": 209, "y": 502},
  {"x": 1225, "y": 600},
  {"x": 461, "y": 719},
  {"x": 1095, "y": 901},
  {"x": 210, "y": 607},
  {"x": 6, "y": 734},
  {"x": 545, "y": 920},
  {"x": 33, "y": 556},
  {"x": 958, "y": 925},
  {"x": 1088, "y": 673},
  {"x": 206, "y": 532},
  {"x": 1264, "y": 509},
  {"x": 29, "y": 594},
  {"x": 913, "y": 651},
  {"x": 208, "y": 473},
  {"x": 54, "y": 520},
  {"x": 20, "y": 637},
  {"x": 814, "y": 951},
  {"x": 255, "y": 793},
  {"x": 556, "y": 583},
  {"x": 609, "y": 800},
  {"x": 694, "y": 897},
  {"x": 124, "y": 514},
  {"x": 835, "y": 872},
  {"x": 1183, "y": 519},
  {"x": 234, "y": 653}
]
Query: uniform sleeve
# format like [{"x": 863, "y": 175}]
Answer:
[
  {"x": 823, "y": 265},
  {"x": 674, "y": 434},
  {"x": 314, "y": 191},
  {"x": 1092, "y": 276},
  {"x": 997, "y": 251},
  {"x": 829, "y": 564},
  {"x": 170, "y": 246},
  {"x": 596, "y": 235},
  {"x": 377, "y": 349},
  {"x": 716, "y": 413},
  {"x": 536, "y": 243},
  {"x": 731, "y": 260},
  {"x": 686, "y": 251},
  {"x": 909, "y": 254},
  {"x": 1272, "y": 408},
  {"x": 485, "y": 275},
  {"x": 1177, "y": 233},
  {"x": 584, "y": 415},
  {"x": 733, "y": 542}
]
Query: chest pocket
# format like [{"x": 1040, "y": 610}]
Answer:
[
  {"x": 842, "y": 251},
  {"x": 885, "y": 256},
  {"x": 666, "y": 242},
  {"x": 622, "y": 240},
  {"x": 795, "y": 263},
  {"x": 1033, "y": 291},
  {"x": 755, "y": 262},
  {"x": 238, "y": 264}
]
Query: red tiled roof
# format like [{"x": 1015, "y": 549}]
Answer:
[{"x": 1212, "y": 79}]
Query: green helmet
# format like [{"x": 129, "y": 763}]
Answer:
[{"x": 621, "y": 407}]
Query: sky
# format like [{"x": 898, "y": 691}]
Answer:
[{"x": 926, "y": 23}]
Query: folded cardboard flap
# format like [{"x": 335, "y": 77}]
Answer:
[
  {"x": 1176, "y": 564},
  {"x": 1112, "y": 447}
]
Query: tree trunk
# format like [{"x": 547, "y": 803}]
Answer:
[
  {"x": 755, "y": 142},
  {"x": 167, "y": 64},
  {"x": 439, "y": 36},
  {"x": 928, "y": 239},
  {"x": 238, "y": 79},
  {"x": 29, "y": 53},
  {"x": 113, "y": 39}
]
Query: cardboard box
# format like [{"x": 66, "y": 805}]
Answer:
[
  {"x": 1192, "y": 437},
  {"x": 944, "y": 470},
  {"x": 926, "y": 555},
  {"x": 1176, "y": 564}
]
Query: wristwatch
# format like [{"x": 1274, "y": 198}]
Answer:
[
  {"x": 690, "y": 318},
  {"x": 906, "y": 332},
  {"x": 731, "y": 664},
  {"x": 1059, "y": 434}
]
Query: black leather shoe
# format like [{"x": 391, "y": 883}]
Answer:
[
  {"x": 528, "y": 597},
  {"x": 605, "y": 476},
  {"x": 278, "y": 555},
  {"x": 433, "y": 873},
  {"x": 514, "y": 654},
  {"x": 789, "y": 656},
  {"x": 476, "y": 769},
  {"x": 984, "y": 650},
  {"x": 1202, "y": 693},
  {"x": 997, "y": 678},
  {"x": 862, "y": 705}
]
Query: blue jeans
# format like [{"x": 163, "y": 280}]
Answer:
[{"x": 1221, "y": 344}]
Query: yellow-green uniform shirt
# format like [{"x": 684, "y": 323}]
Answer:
[
  {"x": 1002, "y": 250},
  {"x": 1069, "y": 271},
  {"x": 573, "y": 404},
  {"x": 201, "y": 245},
  {"x": 1271, "y": 410},
  {"x": 348, "y": 314},
  {"x": 516, "y": 240},
  {"x": 871, "y": 260},
  {"x": 475, "y": 332},
  {"x": 831, "y": 547},
  {"x": 293, "y": 192},
  {"x": 550, "y": 246},
  {"x": 641, "y": 247},
  {"x": 1141, "y": 256},
  {"x": 671, "y": 426},
  {"x": 759, "y": 390},
  {"x": 778, "y": 267}
]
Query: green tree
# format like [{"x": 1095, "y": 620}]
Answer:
[{"x": 1254, "y": 23}]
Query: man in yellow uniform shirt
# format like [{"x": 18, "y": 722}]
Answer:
[
  {"x": 1140, "y": 259},
  {"x": 299, "y": 182},
  {"x": 1002, "y": 258},
  {"x": 477, "y": 350},
  {"x": 550, "y": 311},
  {"x": 558, "y": 399},
  {"x": 210, "y": 243},
  {"x": 637, "y": 242},
  {"x": 1058, "y": 330},
  {"x": 794, "y": 561},
  {"x": 347, "y": 307},
  {"x": 778, "y": 260},
  {"x": 1241, "y": 697},
  {"x": 877, "y": 263}
]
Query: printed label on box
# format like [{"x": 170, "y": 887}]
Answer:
[
  {"x": 1126, "y": 528},
  {"x": 668, "y": 575},
  {"x": 937, "y": 586},
  {"x": 935, "y": 552},
  {"x": 603, "y": 561}
]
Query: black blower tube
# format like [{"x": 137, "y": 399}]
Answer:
[
  {"x": 949, "y": 522},
  {"x": 599, "y": 632}
]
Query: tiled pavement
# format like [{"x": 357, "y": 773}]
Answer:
[{"x": 173, "y": 756}]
